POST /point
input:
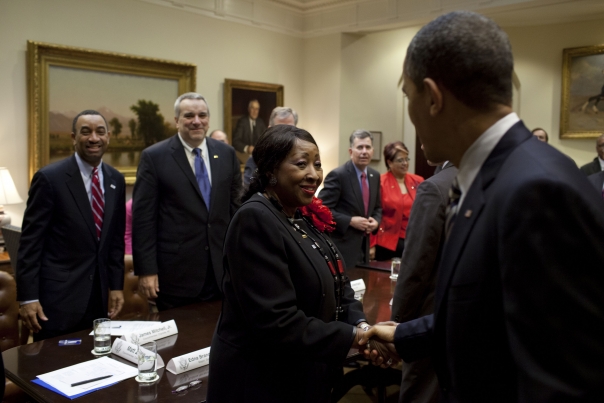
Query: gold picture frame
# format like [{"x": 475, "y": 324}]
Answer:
[
  {"x": 61, "y": 73},
  {"x": 582, "y": 91},
  {"x": 238, "y": 93}
]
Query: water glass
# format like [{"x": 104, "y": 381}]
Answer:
[
  {"x": 147, "y": 362},
  {"x": 102, "y": 335},
  {"x": 395, "y": 268}
]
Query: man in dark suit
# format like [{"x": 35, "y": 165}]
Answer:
[
  {"x": 519, "y": 308},
  {"x": 71, "y": 251},
  {"x": 414, "y": 292},
  {"x": 598, "y": 163},
  {"x": 187, "y": 189},
  {"x": 249, "y": 129},
  {"x": 352, "y": 192},
  {"x": 597, "y": 180}
]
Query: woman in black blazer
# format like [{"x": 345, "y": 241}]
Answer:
[{"x": 289, "y": 316}]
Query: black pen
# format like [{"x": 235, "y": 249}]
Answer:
[{"x": 90, "y": 380}]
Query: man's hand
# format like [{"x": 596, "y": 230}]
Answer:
[
  {"x": 383, "y": 331},
  {"x": 148, "y": 285},
  {"x": 372, "y": 225},
  {"x": 250, "y": 149},
  {"x": 360, "y": 223},
  {"x": 116, "y": 302},
  {"x": 382, "y": 354},
  {"x": 30, "y": 313}
]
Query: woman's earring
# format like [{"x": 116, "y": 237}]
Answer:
[{"x": 273, "y": 181}]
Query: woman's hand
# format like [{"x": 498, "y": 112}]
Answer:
[{"x": 380, "y": 349}]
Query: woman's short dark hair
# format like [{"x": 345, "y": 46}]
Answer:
[
  {"x": 270, "y": 151},
  {"x": 391, "y": 149}
]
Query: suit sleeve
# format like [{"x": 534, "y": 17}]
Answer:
[
  {"x": 145, "y": 211},
  {"x": 115, "y": 264},
  {"x": 258, "y": 267},
  {"x": 552, "y": 275},
  {"x": 36, "y": 223},
  {"x": 413, "y": 339},
  {"x": 377, "y": 210},
  {"x": 236, "y": 185},
  {"x": 248, "y": 171},
  {"x": 330, "y": 195},
  {"x": 423, "y": 240},
  {"x": 238, "y": 142}
]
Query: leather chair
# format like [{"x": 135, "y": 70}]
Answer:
[{"x": 135, "y": 305}]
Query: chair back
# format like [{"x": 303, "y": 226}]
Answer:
[
  {"x": 12, "y": 236},
  {"x": 9, "y": 312}
]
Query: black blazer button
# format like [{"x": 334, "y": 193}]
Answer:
[{"x": 91, "y": 276}]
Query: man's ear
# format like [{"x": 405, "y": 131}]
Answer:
[{"x": 435, "y": 96}]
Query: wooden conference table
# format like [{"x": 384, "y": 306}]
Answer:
[{"x": 195, "y": 324}]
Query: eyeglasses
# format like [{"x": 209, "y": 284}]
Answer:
[
  {"x": 191, "y": 386},
  {"x": 402, "y": 160}
]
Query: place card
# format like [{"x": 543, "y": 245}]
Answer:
[
  {"x": 128, "y": 351},
  {"x": 176, "y": 380},
  {"x": 187, "y": 362},
  {"x": 358, "y": 286},
  {"x": 151, "y": 333}
]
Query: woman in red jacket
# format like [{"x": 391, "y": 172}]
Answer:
[{"x": 398, "y": 189}]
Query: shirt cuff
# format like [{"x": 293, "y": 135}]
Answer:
[{"x": 21, "y": 303}]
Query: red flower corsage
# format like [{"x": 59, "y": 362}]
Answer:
[{"x": 319, "y": 214}]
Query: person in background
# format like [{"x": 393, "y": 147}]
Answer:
[
  {"x": 220, "y": 136},
  {"x": 397, "y": 189},
  {"x": 541, "y": 134},
  {"x": 281, "y": 115},
  {"x": 70, "y": 265},
  {"x": 289, "y": 317},
  {"x": 597, "y": 164}
]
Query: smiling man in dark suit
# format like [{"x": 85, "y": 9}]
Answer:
[
  {"x": 71, "y": 251},
  {"x": 352, "y": 192},
  {"x": 187, "y": 189},
  {"x": 519, "y": 308}
]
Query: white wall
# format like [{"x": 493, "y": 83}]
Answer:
[{"x": 219, "y": 49}]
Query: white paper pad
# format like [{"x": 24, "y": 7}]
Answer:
[
  {"x": 63, "y": 378},
  {"x": 127, "y": 351},
  {"x": 187, "y": 362},
  {"x": 151, "y": 333},
  {"x": 122, "y": 327}
]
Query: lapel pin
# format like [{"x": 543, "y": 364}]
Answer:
[
  {"x": 468, "y": 213},
  {"x": 112, "y": 186},
  {"x": 215, "y": 156}
]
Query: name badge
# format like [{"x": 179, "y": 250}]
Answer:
[
  {"x": 151, "y": 333},
  {"x": 128, "y": 351},
  {"x": 187, "y": 362}
]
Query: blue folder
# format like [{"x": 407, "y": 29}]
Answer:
[{"x": 47, "y": 386}]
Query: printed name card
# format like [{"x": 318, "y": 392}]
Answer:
[
  {"x": 128, "y": 351},
  {"x": 151, "y": 333},
  {"x": 187, "y": 362},
  {"x": 358, "y": 287}
]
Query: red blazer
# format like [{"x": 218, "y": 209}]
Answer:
[{"x": 394, "y": 218}]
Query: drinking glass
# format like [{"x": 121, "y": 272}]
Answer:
[
  {"x": 147, "y": 362},
  {"x": 395, "y": 268},
  {"x": 102, "y": 336}
]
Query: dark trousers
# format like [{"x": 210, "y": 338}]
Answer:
[
  {"x": 208, "y": 292},
  {"x": 387, "y": 254}
]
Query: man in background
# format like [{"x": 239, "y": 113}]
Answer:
[
  {"x": 597, "y": 164},
  {"x": 220, "y": 136},
  {"x": 187, "y": 189},
  {"x": 281, "y": 115},
  {"x": 352, "y": 192},
  {"x": 71, "y": 251},
  {"x": 249, "y": 129},
  {"x": 541, "y": 134}
]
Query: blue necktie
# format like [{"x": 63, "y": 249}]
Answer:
[{"x": 202, "y": 177}]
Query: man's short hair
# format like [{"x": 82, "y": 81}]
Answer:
[
  {"x": 188, "y": 95},
  {"x": 543, "y": 130},
  {"x": 87, "y": 112},
  {"x": 468, "y": 54},
  {"x": 360, "y": 134},
  {"x": 282, "y": 112}
]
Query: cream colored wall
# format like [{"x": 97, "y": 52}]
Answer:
[{"x": 219, "y": 49}]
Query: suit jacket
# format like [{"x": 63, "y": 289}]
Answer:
[
  {"x": 248, "y": 171},
  {"x": 59, "y": 251},
  {"x": 174, "y": 235},
  {"x": 394, "y": 216},
  {"x": 414, "y": 292},
  {"x": 278, "y": 293},
  {"x": 591, "y": 167},
  {"x": 243, "y": 136},
  {"x": 597, "y": 180},
  {"x": 342, "y": 194},
  {"x": 519, "y": 308}
]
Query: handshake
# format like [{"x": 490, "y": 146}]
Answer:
[{"x": 376, "y": 344}]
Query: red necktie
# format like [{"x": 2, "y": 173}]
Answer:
[
  {"x": 98, "y": 202},
  {"x": 365, "y": 191}
]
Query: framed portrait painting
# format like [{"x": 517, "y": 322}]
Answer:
[
  {"x": 237, "y": 97},
  {"x": 135, "y": 95},
  {"x": 582, "y": 106}
]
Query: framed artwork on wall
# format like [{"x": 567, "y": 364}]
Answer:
[
  {"x": 135, "y": 95},
  {"x": 377, "y": 146},
  {"x": 237, "y": 97},
  {"x": 582, "y": 106}
]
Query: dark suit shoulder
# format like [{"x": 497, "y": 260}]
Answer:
[{"x": 163, "y": 145}]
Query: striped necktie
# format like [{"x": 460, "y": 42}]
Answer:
[{"x": 98, "y": 202}]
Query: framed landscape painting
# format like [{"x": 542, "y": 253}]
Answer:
[
  {"x": 582, "y": 106},
  {"x": 135, "y": 95}
]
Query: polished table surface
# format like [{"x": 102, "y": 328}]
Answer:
[{"x": 195, "y": 324}]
